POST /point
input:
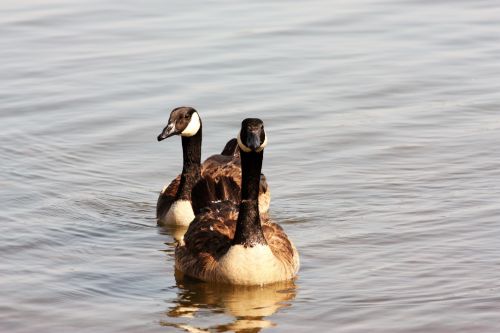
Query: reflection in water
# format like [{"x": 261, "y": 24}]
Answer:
[
  {"x": 248, "y": 305},
  {"x": 176, "y": 231}
]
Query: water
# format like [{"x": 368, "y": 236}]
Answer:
[{"x": 383, "y": 160}]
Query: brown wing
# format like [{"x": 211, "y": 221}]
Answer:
[
  {"x": 222, "y": 174},
  {"x": 166, "y": 198},
  {"x": 279, "y": 243},
  {"x": 208, "y": 237},
  {"x": 263, "y": 187},
  {"x": 210, "y": 190},
  {"x": 221, "y": 178}
]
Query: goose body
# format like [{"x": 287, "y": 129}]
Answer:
[
  {"x": 236, "y": 244},
  {"x": 218, "y": 178},
  {"x": 209, "y": 254}
]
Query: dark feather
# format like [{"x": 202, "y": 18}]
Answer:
[
  {"x": 231, "y": 148},
  {"x": 220, "y": 180},
  {"x": 167, "y": 197},
  {"x": 210, "y": 236}
]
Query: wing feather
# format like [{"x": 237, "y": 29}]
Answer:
[
  {"x": 167, "y": 197},
  {"x": 210, "y": 235},
  {"x": 220, "y": 181}
]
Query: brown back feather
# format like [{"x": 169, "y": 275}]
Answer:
[
  {"x": 167, "y": 197},
  {"x": 223, "y": 176},
  {"x": 221, "y": 180},
  {"x": 211, "y": 233}
]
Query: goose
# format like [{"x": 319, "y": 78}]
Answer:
[
  {"x": 234, "y": 244},
  {"x": 218, "y": 178}
]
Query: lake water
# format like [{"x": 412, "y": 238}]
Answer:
[{"x": 383, "y": 120}]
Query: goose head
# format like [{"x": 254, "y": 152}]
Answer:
[
  {"x": 252, "y": 137},
  {"x": 183, "y": 121}
]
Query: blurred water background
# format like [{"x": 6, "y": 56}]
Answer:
[{"x": 383, "y": 161}]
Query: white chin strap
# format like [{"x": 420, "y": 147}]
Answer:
[
  {"x": 246, "y": 149},
  {"x": 263, "y": 145},
  {"x": 193, "y": 127}
]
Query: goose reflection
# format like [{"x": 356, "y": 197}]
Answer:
[
  {"x": 175, "y": 231},
  {"x": 249, "y": 306}
]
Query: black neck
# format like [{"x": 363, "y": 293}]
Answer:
[
  {"x": 191, "y": 169},
  {"x": 248, "y": 228}
]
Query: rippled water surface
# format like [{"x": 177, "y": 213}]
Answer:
[{"x": 383, "y": 159}]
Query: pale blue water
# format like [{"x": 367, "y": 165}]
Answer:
[{"x": 383, "y": 161}]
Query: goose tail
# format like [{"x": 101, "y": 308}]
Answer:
[{"x": 231, "y": 148}]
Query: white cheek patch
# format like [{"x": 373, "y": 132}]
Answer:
[
  {"x": 247, "y": 150},
  {"x": 263, "y": 145},
  {"x": 242, "y": 146},
  {"x": 193, "y": 127}
]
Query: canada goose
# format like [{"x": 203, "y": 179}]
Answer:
[
  {"x": 225, "y": 245},
  {"x": 218, "y": 178}
]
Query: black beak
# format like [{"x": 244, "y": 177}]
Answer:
[
  {"x": 167, "y": 132},
  {"x": 253, "y": 140}
]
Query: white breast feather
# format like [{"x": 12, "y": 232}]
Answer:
[
  {"x": 180, "y": 213},
  {"x": 255, "y": 265}
]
